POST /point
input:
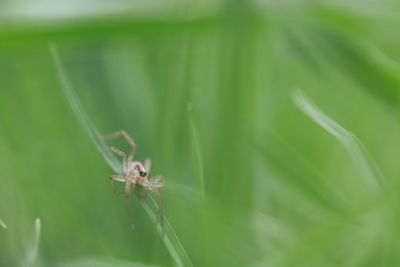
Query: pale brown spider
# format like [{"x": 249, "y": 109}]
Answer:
[{"x": 135, "y": 174}]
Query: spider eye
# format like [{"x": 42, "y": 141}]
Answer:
[{"x": 142, "y": 173}]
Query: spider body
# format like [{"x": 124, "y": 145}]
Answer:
[
  {"x": 135, "y": 173},
  {"x": 135, "y": 168}
]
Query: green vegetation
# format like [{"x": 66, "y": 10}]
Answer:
[{"x": 275, "y": 125}]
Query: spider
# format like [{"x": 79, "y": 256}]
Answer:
[{"x": 135, "y": 174}]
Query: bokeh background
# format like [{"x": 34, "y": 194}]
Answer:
[{"x": 208, "y": 91}]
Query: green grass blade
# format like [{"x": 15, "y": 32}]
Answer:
[
  {"x": 2, "y": 224},
  {"x": 199, "y": 167},
  {"x": 99, "y": 262},
  {"x": 167, "y": 233},
  {"x": 196, "y": 151},
  {"x": 33, "y": 248},
  {"x": 349, "y": 141}
]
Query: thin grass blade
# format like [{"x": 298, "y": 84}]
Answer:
[
  {"x": 33, "y": 248},
  {"x": 197, "y": 153},
  {"x": 199, "y": 167},
  {"x": 169, "y": 237},
  {"x": 99, "y": 262},
  {"x": 349, "y": 141},
  {"x": 3, "y": 224}
]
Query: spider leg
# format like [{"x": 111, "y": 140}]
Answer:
[
  {"x": 119, "y": 178},
  {"x": 122, "y": 154},
  {"x": 127, "y": 138},
  {"x": 129, "y": 187},
  {"x": 131, "y": 155},
  {"x": 117, "y": 151},
  {"x": 157, "y": 180},
  {"x": 147, "y": 165}
]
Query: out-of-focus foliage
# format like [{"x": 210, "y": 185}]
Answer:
[{"x": 275, "y": 124}]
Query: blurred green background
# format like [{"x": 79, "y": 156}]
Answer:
[{"x": 205, "y": 88}]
